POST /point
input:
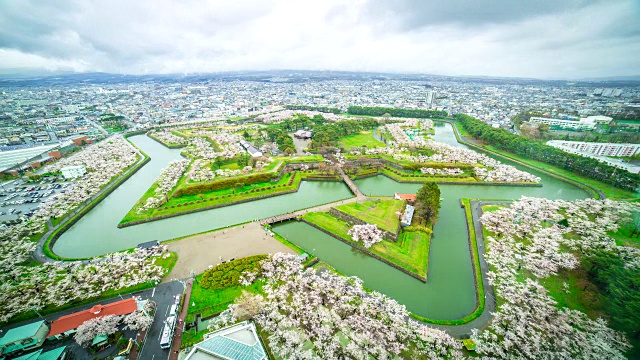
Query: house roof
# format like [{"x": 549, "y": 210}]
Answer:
[
  {"x": 22, "y": 332},
  {"x": 237, "y": 342},
  {"x": 72, "y": 321},
  {"x": 410, "y": 197},
  {"x": 53, "y": 354}
]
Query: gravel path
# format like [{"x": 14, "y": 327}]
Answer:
[{"x": 198, "y": 252}]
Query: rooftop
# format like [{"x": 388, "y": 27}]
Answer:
[
  {"x": 236, "y": 342},
  {"x": 53, "y": 354},
  {"x": 22, "y": 332},
  {"x": 72, "y": 321}
]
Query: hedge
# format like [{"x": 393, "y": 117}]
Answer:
[
  {"x": 228, "y": 274},
  {"x": 194, "y": 189}
]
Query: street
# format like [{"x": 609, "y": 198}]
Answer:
[{"x": 163, "y": 297}]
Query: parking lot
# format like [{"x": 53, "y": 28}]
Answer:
[{"x": 20, "y": 198}]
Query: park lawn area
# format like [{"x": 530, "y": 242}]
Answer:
[
  {"x": 209, "y": 301},
  {"x": 410, "y": 252},
  {"x": 383, "y": 213},
  {"x": 364, "y": 139},
  {"x": 167, "y": 263},
  {"x": 610, "y": 191}
]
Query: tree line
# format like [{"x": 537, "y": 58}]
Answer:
[
  {"x": 325, "y": 109},
  {"x": 428, "y": 202},
  {"x": 539, "y": 151},
  {"x": 395, "y": 112},
  {"x": 279, "y": 136}
]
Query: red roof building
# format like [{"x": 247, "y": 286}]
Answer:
[
  {"x": 408, "y": 197},
  {"x": 72, "y": 321}
]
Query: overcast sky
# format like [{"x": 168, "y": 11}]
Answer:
[{"x": 526, "y": 38}]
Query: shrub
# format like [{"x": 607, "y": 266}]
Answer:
[{"x": 228, "y": 274}]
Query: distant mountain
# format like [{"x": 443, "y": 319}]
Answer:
[
  {"x": 9, "y": 78},
  {"x": 613, "y": 78}
]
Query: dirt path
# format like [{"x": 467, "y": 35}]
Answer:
[{"x": 198, "y": 252}]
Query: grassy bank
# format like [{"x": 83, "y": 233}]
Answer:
[
  {"x": 587, "y": 184},
  {"x": 383, "y": 213},
  {"x": 410, "y": 252},
  {"x": 189, "y": 203},
  {"x": 610, "y": 191}
]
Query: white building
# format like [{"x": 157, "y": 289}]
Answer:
[
  {"x": 588, "y": 123},
  {"x": 72, "y": 172},
  {"x": 611, "y": 161},
  {"x": 601, "y": 149}
]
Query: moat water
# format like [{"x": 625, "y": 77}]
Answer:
[{"x": 448, "y": 294}]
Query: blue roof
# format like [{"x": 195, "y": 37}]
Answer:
[
  {"x": 53, "y": 354},
  {"x": 22, "y": 332},
  {"x": 237, "y": 342},
  {"x": 232, "y": 349}
]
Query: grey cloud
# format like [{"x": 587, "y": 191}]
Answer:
[{"x": 414, "y": 14}]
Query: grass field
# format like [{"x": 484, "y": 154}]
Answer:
[
  {"x": 410, "y": 252},
  {"x": 365, "y": 138},
  {"x": 209, "y": 301},
  {"x": 384, "y": 213}
]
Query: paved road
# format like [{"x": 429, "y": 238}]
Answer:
[{"x": 163, "y": 296}]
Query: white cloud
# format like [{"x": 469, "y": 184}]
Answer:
[{"x": 165, "y": 36}]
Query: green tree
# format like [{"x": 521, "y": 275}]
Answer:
[
  {"x": 621, "y": 286},
  {"x": 428, "y": 202}
]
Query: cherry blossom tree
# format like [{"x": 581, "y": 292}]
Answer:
[
  {"x": 541, "y": 236},
  {"x": 138, "y": 320},
  {"x": 369, "y": 234},
  {"x": 338, "y": 318},
  {"x": 105, "y": 325}
]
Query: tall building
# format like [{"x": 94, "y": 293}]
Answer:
[{"x": 431, "y": 97}]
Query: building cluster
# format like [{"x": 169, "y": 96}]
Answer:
[
  {"x": 44, "y": 113},
  {"x": 32, "y": 336}
]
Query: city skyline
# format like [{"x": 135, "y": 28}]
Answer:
[{"x": 544, "y": 40}]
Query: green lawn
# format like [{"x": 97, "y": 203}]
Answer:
[
  {"x": 623, "y": 236},
  {"x": 410, "y": 252},
  {"x": 210, "y": 301},
  {"x": 365, "y": 138},
  {"x": 384, "y": 213}
]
